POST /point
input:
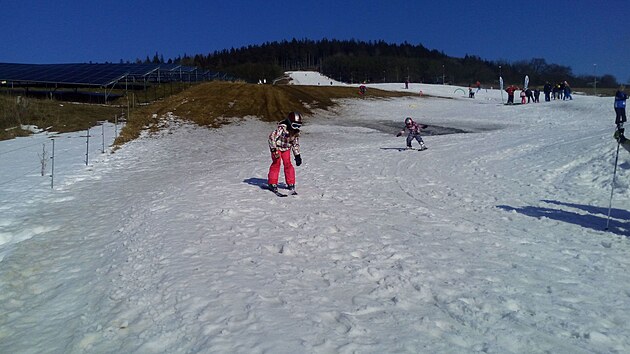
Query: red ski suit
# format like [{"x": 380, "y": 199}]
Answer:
[{"x": 282, "y": 143}]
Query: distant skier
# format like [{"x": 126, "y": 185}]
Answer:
[
  {"x": 567, "y": 92},
  {"x": 282, "y": 141},
  {"x": 510, "y": 91},
  {"x": 547, "y": 90},
  {"x": 620, "y": 106},
  {"x": 362, "y": 90},
  {"x": 414, "y": 133}
]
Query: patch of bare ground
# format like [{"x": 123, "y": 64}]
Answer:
[{"x": 216, "y": 103}]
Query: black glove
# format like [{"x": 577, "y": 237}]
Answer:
[
  {"x": 399, "y": 134},
  {"x": 298, "y": 160}
]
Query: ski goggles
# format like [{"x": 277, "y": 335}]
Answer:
[{"x": 296, "y": 125}]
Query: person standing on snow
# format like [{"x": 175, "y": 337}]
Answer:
[
  {"x": 567, "y": 92},
  {"x": 523, "y": 96},
  {"x": 510, "y": 91},
  {"x": 620, "y": 106},
  {"x": 284, "y": 139},
  {"x": 414, "y": 133},
  {"x": 530, "y": 95},
  {"x": 547, "y": 90}
]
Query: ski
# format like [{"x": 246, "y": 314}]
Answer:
[
  {"x": 276, "y": 192},
  {"x": 279, "y": 194},
  {"x": 291, "y": 189}
]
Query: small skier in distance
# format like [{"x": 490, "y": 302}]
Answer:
[
  {"x": 284, "y": 139},
  {"x": 414, "y": 133}
]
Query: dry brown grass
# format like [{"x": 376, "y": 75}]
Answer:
[
  {"x": 215, "y": 103},
  {"x": 58, "y": 116}
]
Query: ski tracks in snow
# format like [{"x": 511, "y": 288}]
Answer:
[{"x": 381, "y": 251}]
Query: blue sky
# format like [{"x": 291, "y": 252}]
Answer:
[{"x": 577, "y": 33}]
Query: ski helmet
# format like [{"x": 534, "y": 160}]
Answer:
[
  {"x": 294, "y": 120},
  {"x": 408, "y": 121}
]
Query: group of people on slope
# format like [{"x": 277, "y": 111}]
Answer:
[
  {"x": 527, "y": 95},
  {"x": 560, "y": 91}
]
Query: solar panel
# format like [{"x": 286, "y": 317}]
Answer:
[{"x": 89, "y": 74}]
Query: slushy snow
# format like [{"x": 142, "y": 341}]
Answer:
[{"x": 489, "y": 241}]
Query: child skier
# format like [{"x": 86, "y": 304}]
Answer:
[
  {"x": 414, "y": 133},
  {"x": 282, "y": 141}
]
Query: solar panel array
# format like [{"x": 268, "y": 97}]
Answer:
[{"x": 102, "y": 75}]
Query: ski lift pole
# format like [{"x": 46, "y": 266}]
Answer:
[
  {"x": 87, "y": 146},
  {"x": 612, "y": 189},
  {"x": 102, "y": 138},
  {"x": 52, "y": 167}
]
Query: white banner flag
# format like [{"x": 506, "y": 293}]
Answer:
[{"x": 526, "y": 82}]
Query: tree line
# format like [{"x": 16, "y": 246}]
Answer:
[{"x": 355, "y": 61}]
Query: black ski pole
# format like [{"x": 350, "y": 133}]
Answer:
[{"x": 612, "y": 189}]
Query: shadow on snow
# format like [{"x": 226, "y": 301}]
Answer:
[
  {"x": 261, "y": 182},
  {"x": 595, "y": 220}
]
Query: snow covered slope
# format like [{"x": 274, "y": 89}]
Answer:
[{"x": 490, "y": 241}]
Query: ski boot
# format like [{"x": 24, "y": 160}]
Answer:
[
  {"x": 291, "y": 188},
  {"x": 619, "y": 136},
  {"x": 423, "y": 147},
  {"x": 273, "y": 188}
]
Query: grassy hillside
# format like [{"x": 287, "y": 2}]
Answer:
[
  {"x": 214, "y": 103},
  {"x": 59, "y": 116},
  {"x": 208, "y": 104}
]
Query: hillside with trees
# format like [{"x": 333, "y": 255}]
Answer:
[{"x": 355, "y": 61}]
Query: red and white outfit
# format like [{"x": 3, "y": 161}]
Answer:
[{"x": 282, "y": 143}]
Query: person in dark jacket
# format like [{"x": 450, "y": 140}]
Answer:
[
  {"x": 567, "y": 91},
  {"x": 547, "y": 90},
  {"x": 620, "y": 106}
]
